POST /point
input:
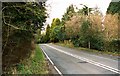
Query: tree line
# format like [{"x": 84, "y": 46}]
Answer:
[{"x": 85, "y": 28}]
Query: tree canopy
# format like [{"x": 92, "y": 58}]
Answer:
[
  {"x": 24, "y": 16},
  {"x": 114, "y": 7},
  {"x": 20, "y": 22}
]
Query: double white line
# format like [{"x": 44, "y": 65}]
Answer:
[{"x": 88, "y": 60}]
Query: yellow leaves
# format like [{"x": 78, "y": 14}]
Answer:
[
  {"x": 111, "y": 24},
  {"x": 96, "y": 21},
  {"x": 72, "y": 27}
]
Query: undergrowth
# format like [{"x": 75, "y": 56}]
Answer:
[{"x": 36, "y": 64}]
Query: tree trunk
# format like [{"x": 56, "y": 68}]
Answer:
[{"x": 89, "y": 44}]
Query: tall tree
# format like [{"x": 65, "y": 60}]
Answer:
[
  {"x": 69, "y": 13},
  {"x": 47, "y": 36},
  {"x": 85, "y": 10},
  {"x": 20, "y": 21},
  {"x": 24, "y": 16},
  {"x": 55, "y": 22},
  {"x": 114, "y": 7}
]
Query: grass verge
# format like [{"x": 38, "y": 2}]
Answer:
[
  {"x": 36, "y": 64},
  {"x": 88, "y": 50}
]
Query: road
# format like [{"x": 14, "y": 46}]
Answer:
[{"x": 71, "y": 61}]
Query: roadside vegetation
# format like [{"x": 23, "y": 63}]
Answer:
[
  {"x": 22, "y": 23},
  {"x": 70, "y": 45},
  {"x": 36, "y": 64},
  {"x": 86, "y": 29}
]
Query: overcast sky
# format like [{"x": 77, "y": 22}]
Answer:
[{"x": 56, "y": 8}]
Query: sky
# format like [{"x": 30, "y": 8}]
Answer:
[{"x": 56, "y": 8}]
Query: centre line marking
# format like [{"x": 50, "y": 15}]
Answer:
[{"x": 87, "y": 60}]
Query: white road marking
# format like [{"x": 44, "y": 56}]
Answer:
[
  {"x": 88, "y": 60},
  {"x": 58, "y": 70},
  {"x": 52, "y": 63},
  {"x": 100, "y": 56},
  {"x": 103, "y": 57}
]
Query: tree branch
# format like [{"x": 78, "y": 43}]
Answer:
[{"x": 11, "y": 25}]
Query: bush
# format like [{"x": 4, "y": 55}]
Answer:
[
  {"x": 114, "y": 46},
  {"x": 19, "y": 46},
  {"x": 97, "y": 43}
]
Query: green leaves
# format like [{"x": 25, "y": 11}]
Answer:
[
  {"x": 24, "y": 15},
  {"x": 21, "y": 20},
  {"x": 69, "y": 13},
  {"x": 55, "y": 22},
  {"x": 113, "y": 8},
  {"x": 54, "y": 30},
  {"x": 90, "y": 37}
]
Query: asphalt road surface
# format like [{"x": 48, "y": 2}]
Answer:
[{"x": 71, "y": 61}]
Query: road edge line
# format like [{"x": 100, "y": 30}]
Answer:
[
  {"x": 88, "y": 60},
  {"x": 59, "y": 72}
]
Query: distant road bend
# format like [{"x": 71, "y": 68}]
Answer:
[{"x": 71, "y": 61}]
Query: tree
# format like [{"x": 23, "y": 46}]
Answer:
[
  {"x": 111, "y": 32},
  {"x": 85, "y": 10},
  {"x": 24, "y": 16},
  {"x": 54, "y": 24},
  {"x": 53, "y": 35},
  {"x": 113, "y": 20},
  {"x": 114, "y": 7},
  {"x": 90, "y": 37},
  {"x": 72, "y": 26},
  {"x": 20, "y": 21},
  {"x": 47, "y": 36},
  {"x": 69, "y": 13}
]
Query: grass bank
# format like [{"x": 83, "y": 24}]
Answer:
[
  {"x": 36, "y": 64},
  {"x": 70, "y": 45}
]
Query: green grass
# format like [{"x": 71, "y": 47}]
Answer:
[
  {"x": 87, "y": 49},
  {"x": 36, "y": 64}
]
